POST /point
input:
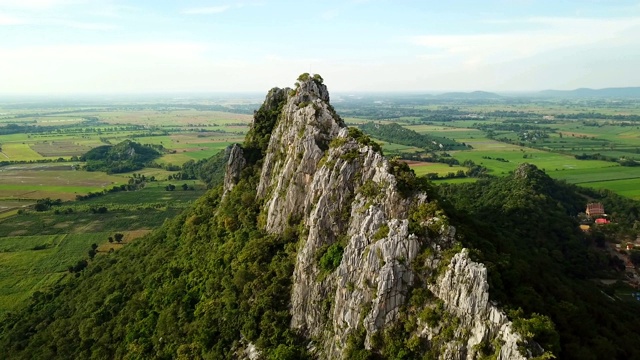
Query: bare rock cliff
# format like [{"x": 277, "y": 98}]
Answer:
[{"x": 368, "y": 242}]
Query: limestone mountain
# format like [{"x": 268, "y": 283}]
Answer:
[{"x": 317, "y": 246}]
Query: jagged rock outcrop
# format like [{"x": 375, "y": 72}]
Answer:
[
  {"x": 305, "y": 127},
  {"x": 342, "y": 196},
  {"x": 465, "y": 291},
  {"x": 235, "y": 164}
]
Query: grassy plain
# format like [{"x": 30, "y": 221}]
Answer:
[
  {"x": 423, "y": 168},
  {"x": 567, "y": 137},
  {"x": 628, "y": 187}
]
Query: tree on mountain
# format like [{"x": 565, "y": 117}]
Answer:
[{"x": 118, "y": 237}]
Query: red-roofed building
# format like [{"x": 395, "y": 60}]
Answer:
[
  {"x": 602, "y": 221},
  {"x": 595, "y": 209}
]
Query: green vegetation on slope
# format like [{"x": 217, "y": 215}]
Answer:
[
  {"x": 210, "y": 170},
  {"x": 524, "y": 229},
  {"x": 205, "y": 280}
]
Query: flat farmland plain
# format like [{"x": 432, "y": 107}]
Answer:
[
  {"x": 55, "y": 180},
  {"x": 423, "y": 168},
  {"x": 555, "y": 154},
  {"x": 628, "y": 187},
  {"x": 59, "y": 148}
]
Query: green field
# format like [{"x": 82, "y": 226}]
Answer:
[
  {"x": 629, "y": 187},
  {"x": 55, "y": 180},
  {"x": 438, "y": 168},
  {"x": 25, "y": 269}
]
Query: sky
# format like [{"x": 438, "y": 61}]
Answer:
[{"x": 57, "y": 47}]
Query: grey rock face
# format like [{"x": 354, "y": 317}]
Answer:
[
  {"x": 339, "y": 191},
  {"x": 465, "y": 292},
  {"x": 235, "y": 164},
  {"x": 302, "y": 134}
]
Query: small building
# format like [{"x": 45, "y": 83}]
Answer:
[
  {"x": 595, "y": 209},
  {"x": 601, "y": 221}
]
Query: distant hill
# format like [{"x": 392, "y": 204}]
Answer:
[
  {"x": 123, "y": 157},
  {"x": 619, "y": 92},
  {"x": 474, "y": 95}
]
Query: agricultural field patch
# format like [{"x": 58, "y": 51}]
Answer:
[
  {"x": 590, "y": 175},
  {"x": 55, "y": 180},
  {"x": 59, "y": 148},
  {"x": 18, "y": 151},
  {"x": 85, "y": 221},
  {"x": 389, "y": 147},
  {"x": 153, "y": 192},
  {"x": 626, "y": 187},
  {"x": 455, "y": 181},
  {"x": 423, "y": 168}
]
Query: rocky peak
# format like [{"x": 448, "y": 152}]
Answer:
[
  {"x": 301, "y": 135},
  {"x": 309, "y": 88},
  {"x": 526, "y": 170},
  {"x": 363, "y": 243}
]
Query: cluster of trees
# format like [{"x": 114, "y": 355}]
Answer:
[
  {"x": 46, "y": 204},
  {"x": 497, "y": 158},
  {"x": 210, "y": 171},
  {"x": 24, "y": 128},
  {"x": 473, "y": 170},
  {"x": 123, "y": 157},
  {"x": 598, "y": 116},
  {"x": 450, "y": 175},
  {"x": 117, "y": 237},
  {"x": 37, "y": 161},
  {"x": 398, "y": 134},
  {"x": 136, "y": 182},
  {"x": 184, "y": 187},
  {"x": 98, "y": 210}
]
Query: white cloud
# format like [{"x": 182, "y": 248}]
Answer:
[
  {"x": 36, "y": 4},
  {"x": 100, "y": 68},
  {"x": 80, "y": 25},
  {"x": 6, "y": 20},
  {"x": 549, "y": 34},
  {"x": 207, "y": 10}
]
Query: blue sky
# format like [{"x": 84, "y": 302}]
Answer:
[{"x": 82, "y": 46}]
